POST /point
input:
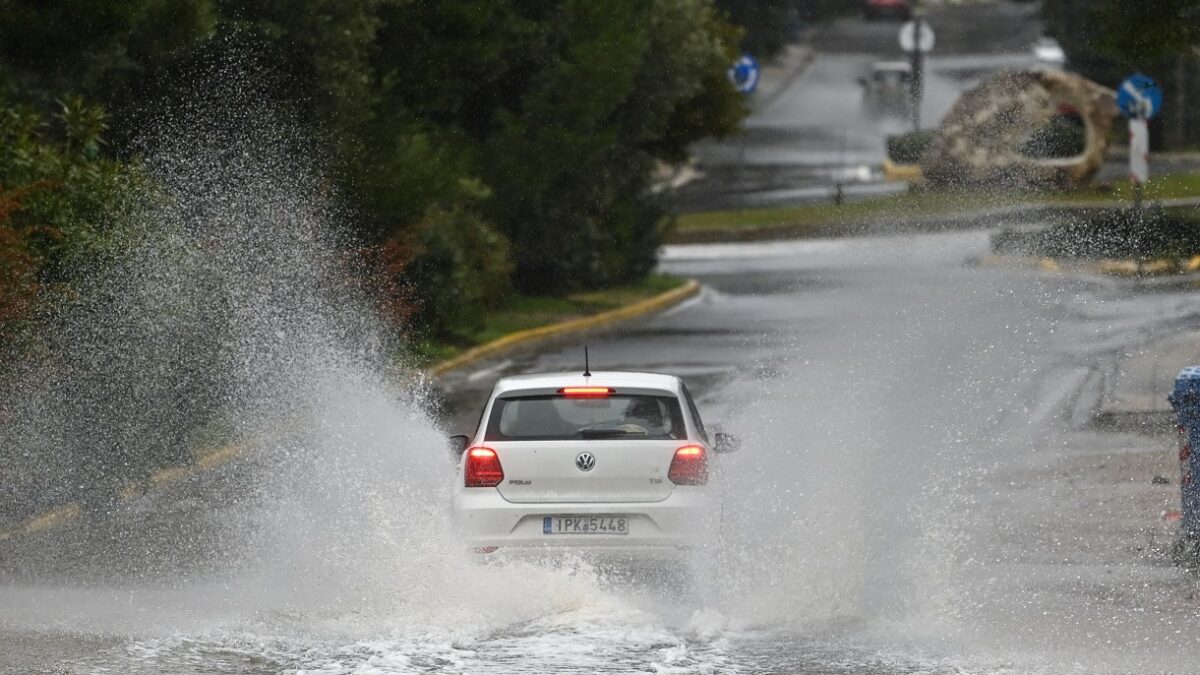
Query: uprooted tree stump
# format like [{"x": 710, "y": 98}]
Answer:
[{"x": 1042, "y": 128}]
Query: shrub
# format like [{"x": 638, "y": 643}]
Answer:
[
  {"x": 1153, "y": 232},
  {"x": 908, "y": 148},
  {"x": 444, "y": 273},
  {"x": 58, "y": 197}
]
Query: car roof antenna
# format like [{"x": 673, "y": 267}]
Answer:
[{"x": 587, "y": 371}]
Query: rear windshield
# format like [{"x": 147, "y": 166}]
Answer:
[{"x": 555, "y": 418}]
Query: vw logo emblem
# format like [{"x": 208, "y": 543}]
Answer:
[{"x": 586, "y": 461}]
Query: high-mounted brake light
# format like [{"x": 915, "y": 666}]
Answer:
[
  {"x": 483, "y": 468},
  {"x": 587, "y": 392},
  {"x": 689, "y": 466}
]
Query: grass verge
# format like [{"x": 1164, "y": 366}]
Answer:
[
  {"x": 522, "y": 312},
  {"x": 824, "y": 219}
]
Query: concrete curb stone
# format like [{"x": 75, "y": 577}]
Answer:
[
  {"x": 777, "y": 75},
  {"x": 1112, "y": 268},
  {"x": 1134, "y": 394}
]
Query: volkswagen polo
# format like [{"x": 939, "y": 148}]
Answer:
[{"x": 606, "y": 462}]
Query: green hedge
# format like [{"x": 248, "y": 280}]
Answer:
[
  {"x": 908, "y": 148},
  {"x": 1150, "y": 233}
]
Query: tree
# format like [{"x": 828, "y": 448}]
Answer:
[
  {"x": 1106, "y": 40},
  {"x": 538, "y": 121},
  {"x": 616, "y": 89},
  {"x": 768, "y": 25},
  {"x": 110, "y": 53}
]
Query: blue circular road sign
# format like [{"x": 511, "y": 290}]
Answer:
[
  {"x": 1139, "y": 97},
  {"x": 744, "y": 74}
]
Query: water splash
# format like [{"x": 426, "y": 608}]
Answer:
[{"x": 230, "y": 306}]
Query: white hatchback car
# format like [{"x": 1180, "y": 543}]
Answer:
[{"x": 611, "y": 463}]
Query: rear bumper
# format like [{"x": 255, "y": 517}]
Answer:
[{"x": 484, "y": 519}]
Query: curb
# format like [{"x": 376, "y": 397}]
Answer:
[
  {"x": 44, "y": 520},
  {"x": 1145, "y": 422},
  {"x": 896, "y": 173},
  {"x": 805, "y": 57},
  {"x": 532, "y": 336},
  {"x": 1130, "y": 269}
]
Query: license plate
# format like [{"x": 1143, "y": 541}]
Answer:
[{"x": 585, "y": 525}]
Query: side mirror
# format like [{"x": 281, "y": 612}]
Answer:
[
  {"x": 457, "y": 445},
  {"x": 862, "y": 81},
  {"x": 725, "y": 443}
]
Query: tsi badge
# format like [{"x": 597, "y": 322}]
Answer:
[{"x": 586, "y": 461}]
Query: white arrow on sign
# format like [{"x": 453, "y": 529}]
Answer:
[
  {"x": 909, "y": 39},
  {"x": 1145, "y": 107}
]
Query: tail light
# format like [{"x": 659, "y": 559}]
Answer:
[
  {"x": 483, "y": 468},
  {"x": 689, "y": 466}
]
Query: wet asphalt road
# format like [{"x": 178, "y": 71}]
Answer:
[
  {"x": 927, "y": 425},
  {"x": 919, "y": 491}
]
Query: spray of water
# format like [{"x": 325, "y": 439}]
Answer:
[{"x": 231, "y": 308}]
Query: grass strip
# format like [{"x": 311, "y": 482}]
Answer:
[
  {"x": 819, "y": 219},
  {"x": 523, "y": 312}
]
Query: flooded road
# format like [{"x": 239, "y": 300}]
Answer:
[{"x": 919, "y": 491}]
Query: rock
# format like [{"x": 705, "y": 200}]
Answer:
[
  {"x": 1000, "y": 132},
  {"x": 1160, "y": 480}
]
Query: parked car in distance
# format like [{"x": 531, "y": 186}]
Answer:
[
  {"x": 887, "y": 88},
  {"x": 606, "y": 464},
  {"x": 887, "y": 9},
  {"x": 1048, "y": 52}
]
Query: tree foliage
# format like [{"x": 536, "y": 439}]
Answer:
[
  {"x": 533, "y": 123},
  {"x": 58, "y": 197},
  {"x": 1106, "y": 40},
  {"x": 767, "y": 25}
]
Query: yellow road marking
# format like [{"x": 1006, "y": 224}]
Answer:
[{"x": 62, "y": 514}]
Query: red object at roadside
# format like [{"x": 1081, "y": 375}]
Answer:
[{"x": 895, "y": 9}]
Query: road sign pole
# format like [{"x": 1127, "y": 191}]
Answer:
[
  {"x": 916, "y": 37},
  {"x": 1139, "y": 157},
  {"x": 741, "y": 163},
  {"x": 743, "y": 75},
  {"x": 1139, "y": 98},
  {"x": 918, "y": 68}
]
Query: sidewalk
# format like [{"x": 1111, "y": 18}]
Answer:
[
  {"x": 775, "y": 76},
  {"x": 1135, "y": 390}
]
